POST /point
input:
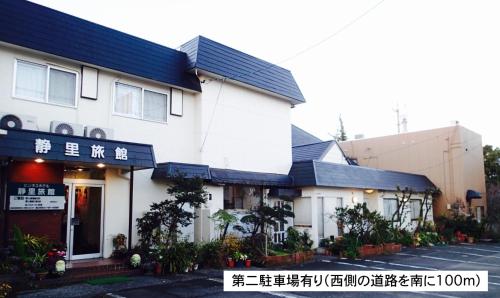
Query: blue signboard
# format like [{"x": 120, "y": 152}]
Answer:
[{"x": 50, "y": 146}]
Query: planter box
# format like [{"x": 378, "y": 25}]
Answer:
[
  {"x": 392, "y": 248},
  {"x": 295, "y": 258},
  {"x": 369, "y": 250}
]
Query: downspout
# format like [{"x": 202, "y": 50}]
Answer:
[
  {"x": 130, "y": 206},
  {"x": 5, "y": 201}
]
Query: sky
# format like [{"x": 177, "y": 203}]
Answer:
[{"x": 436, "y": 61}]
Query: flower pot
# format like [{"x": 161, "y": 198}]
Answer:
[
  {"x": 368, "y": 250},
  {"x": 41, "y": 275},
  {"x": 158, "y": 268},
  {"x": 470, "y": 239},
  {"x": 230, "y": 263},
  {"x": 240, "y": 263},
  {"x": 248, "y": 263},
  {"x": 195, "y": 267}
]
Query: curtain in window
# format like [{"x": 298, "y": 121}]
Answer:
[
  {"x": 62, "y": 86},
  {"x": 155, "y": 106},
  {"x": 390, "y": 207},
  {"x": 415, "y": 208},
  {"x": 31, "y": 80},
  {"x": 303, "y": 214},
  {"x": 128, "y": 100}
]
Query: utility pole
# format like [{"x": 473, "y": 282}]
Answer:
[{"x": 397, "y": 118}]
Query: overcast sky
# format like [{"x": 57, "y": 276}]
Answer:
[{"x": 439, "y": 61}]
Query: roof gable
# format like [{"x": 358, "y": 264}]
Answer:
[
  {"x": 213, "y": 57},
  {"x": 302, "y": 137},
  {"x": 36, "y": 27},
  {"x": 310, "y": 151}
]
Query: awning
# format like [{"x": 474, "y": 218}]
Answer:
[
  {"x": 472, "y": 194},
  {"x": 249, "y": 178},
  {"x": 29, "y": 144},
  {"x": 169, "y": 169}
]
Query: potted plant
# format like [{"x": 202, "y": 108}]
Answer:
[
  {"x": 119, "y": 246},
  {"x": 240, "y": 259},
  {"x": 230, "y": 262}
]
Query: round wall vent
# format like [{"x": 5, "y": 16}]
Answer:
[
  {"x": 11, "y": 121},
  {"x": 64, "y": 129},
  {"x": 97, "y": 133}
]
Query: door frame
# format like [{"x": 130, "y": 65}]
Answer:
[{"x": 72, "y": 183}]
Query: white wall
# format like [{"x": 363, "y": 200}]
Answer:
[
  {"x": 335, "y": 155},
  {"x": 243, "y": 129},
  {"x": 350, "y": 197},
  {"x": 173, "y": 141},
  {"x": 247, "y": 130}
]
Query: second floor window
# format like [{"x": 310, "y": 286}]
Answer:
[
  {"x": 45, "y": 83},
  {"x": 140, "y": 103}
]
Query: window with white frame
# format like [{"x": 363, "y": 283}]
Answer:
[
  {"x": 390, "y": 208},
  {"x": 415, "y": 206},
  {"x": 45, "y": 83},
  {"x": 140, "y": 103},
  {"x": 303, "y": 213}
]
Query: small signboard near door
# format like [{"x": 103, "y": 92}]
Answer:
[{"x": 36, "y": 196}]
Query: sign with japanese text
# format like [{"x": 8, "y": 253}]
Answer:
[
  {"x": 43, "y": 146},
  {"x": 76, "y": 149},
  {"x": 36, "y": 196}
]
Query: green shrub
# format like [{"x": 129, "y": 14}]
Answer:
[{"x": 210, "y": 254}]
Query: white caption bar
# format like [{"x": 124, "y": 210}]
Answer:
[{"x": 354, "y": 281}]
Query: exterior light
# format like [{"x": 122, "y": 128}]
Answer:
[
  {"x": 39, "y": 160},
  {"x": 369, "y": 191},
  {"x": 101, "y": 165},
  {"x": 79, "y": 169}
]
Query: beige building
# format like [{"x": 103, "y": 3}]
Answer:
[{"x": 451, "y": 157}]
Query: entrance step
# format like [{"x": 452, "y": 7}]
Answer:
[{"x": 79, "y": 271}]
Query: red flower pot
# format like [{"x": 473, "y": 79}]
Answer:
[
  {"x": 230, "y": 263},
  {"x": 248, "y": 263}
]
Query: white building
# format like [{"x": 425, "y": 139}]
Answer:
[{"x": 94, "y": 120}]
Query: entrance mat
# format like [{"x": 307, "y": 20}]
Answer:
[{"x": 107, "y": 280}]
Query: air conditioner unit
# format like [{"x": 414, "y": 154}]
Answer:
[
  {"x": 98, "y": 132},
  {"x": 66, "y": 128},
  {"x": 17, "y": 121}
]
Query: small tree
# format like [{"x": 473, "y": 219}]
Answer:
[
  {"x": 263, "y": 217},
  {"x": 223, "y": 220},
  {"x": 341, "y": 134},
  {"x": 403, "y": 199},
  {"x": 171, "y": 214},
  {"x": 426, "y": 206}
]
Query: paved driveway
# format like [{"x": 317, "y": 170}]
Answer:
[
  {"x": 209, "y": 283},
  {"x": 452, "y": 257}
]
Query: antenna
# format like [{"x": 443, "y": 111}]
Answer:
[{"x": 396, "y": 110}]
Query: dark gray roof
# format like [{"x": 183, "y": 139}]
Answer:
[
  {"x": 302, "y": 137},
  {"x": 36, "y": 27},
  {"x": 208, "y": 55},
  {"x": 168, "y": 169},
  {"x": 311, "y": 151},
  {"x": 249, "y": 178},
  {"x": 317, "y": 173}
]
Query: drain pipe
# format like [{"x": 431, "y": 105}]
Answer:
[{"x": 130, "y": 206}]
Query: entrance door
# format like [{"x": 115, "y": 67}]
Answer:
[{"x": 85, "y": 207}]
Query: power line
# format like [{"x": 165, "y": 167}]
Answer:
[{"x": 301, "y": 52}]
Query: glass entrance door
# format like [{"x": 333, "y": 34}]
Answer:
[{"x": 85, "y": 210}]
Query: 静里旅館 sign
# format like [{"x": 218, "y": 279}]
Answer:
[{"x": 36, "y": 196}]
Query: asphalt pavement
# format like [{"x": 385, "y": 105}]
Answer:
[{"x": 210, "y": 283}]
